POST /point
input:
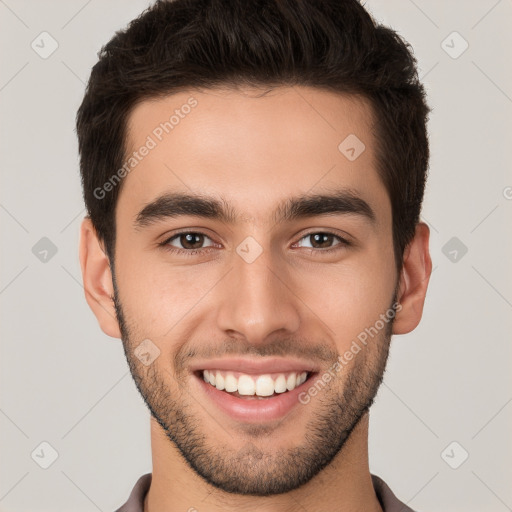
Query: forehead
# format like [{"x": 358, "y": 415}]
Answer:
[{"x": 251, "y": 147}]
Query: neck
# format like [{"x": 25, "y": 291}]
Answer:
[{"x": 344, "y": 485}]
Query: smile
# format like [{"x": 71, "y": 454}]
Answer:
[
  {"x": 260, "y": 386},
  {"x": 251, "y": 390}
]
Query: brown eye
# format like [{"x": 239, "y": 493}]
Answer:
[
  {"x": 321, "y": 240},
  {"x": 189, "y": 241}
]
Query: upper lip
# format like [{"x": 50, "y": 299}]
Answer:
[{"x": 257, "y": 366}]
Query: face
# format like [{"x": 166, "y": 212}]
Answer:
[{"x": 250, "y": 245}]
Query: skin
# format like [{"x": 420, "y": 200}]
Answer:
[{"x": 256, "y": 152}]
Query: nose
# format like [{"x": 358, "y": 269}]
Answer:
[{"x": 257, "y": 301}]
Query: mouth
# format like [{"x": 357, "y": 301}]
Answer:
[
  {"x": 253, "y": 387},
  {"x": 253, "y": 397}
]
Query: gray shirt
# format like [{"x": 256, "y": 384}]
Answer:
[{"x": 388, "y": 501}]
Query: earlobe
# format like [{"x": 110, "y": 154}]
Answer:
[
  {"x": 414, "y": 278},
  {"x": 97, "y": 279}
]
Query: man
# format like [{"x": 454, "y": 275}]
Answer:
[{"x": 253, "y": 174}]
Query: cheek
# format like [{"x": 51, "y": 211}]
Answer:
[
  {"x": 156, "y": 296},
  {"x": 354, "y": 296},
  {"x": 347, "y": 297}
]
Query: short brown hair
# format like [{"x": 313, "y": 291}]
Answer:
[{"x": 333, "y": 45}]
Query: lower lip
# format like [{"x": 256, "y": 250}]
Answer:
[{"x": 255, "y": 410}]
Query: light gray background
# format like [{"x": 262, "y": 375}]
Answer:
[{"x": 64, "y": 382}]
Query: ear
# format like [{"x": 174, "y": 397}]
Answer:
[
  {"x": 414, "y": 278},
  {"x": 97, "y": 279}
]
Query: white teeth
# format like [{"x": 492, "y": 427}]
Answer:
[
  {"x": 231, "y": 383},
  {"x": 246, "y": 385},
  {"x": 219, "y": 381},
  {"x": 280, "y": 384},
  {"x": 291, "y": 381},
  {"x": 264, "y": 385},
  {"x": 261, "y": 385}
]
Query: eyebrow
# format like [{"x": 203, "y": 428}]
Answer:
[{"x": 173, "y": 205}]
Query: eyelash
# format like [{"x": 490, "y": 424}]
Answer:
[{"x": 192, "y": 252}]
